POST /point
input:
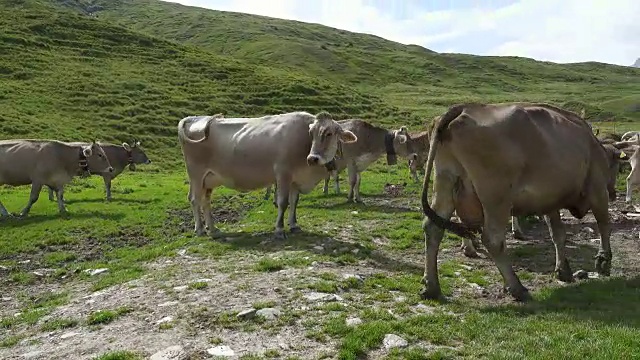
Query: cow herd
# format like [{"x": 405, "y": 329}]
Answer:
[{"x": 491, "y": 163}]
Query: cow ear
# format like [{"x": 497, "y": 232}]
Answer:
[
  {"x": 87, "y": 152},
  {"x": 401, "y": 138},
  {"x": 137, "y": 143},
  {"x": 126, "y": 146},
  {"x": 347, "y": 137}
]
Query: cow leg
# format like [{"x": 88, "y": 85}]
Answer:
[
  {"x": 325, "y": 189},
  {"x": 3, "y": 210},
  {"x": 50, "y": 191},
  {"x": 600, "y": 210},
  {"x": 267, "y": 193},
  {"x": 107, "y": 186},
  {"x": 494, "y": 239},
  {"x": 516, "y": 229},
  {"x": 294, "y": 196},
  {"x": 357, "y": 188},
  {"x": 195, "y": 198},
  {"x": 559, "y": 237},
  {"x": 284, "y": 185},
  {"x": 275, "y": 194},
  {"x": 208, "y": 216},
  {"x": 353, "y": 179},
  {"x": 443, "y": 205},
  {"x": 337, "y": 181},
  {"x": 631, "y": 183},
  {"x": 33, "y": 197},
  {"x": 60, "y": 195}
]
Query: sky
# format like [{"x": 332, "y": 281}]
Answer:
[{"x": 550, "y": 30}]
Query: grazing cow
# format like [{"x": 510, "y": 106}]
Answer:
[
  {"x": 495, "y": 160},
  {"x": 357, "y": 157},
  {"x": 120, "y": 156},
  {"x": 47, "y": 162},
  {"x": 294, "y": 150}
]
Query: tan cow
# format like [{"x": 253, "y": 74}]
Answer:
[
  {"x": 631, "y": 146},
  {"x": 47, "y": 163},
  {"x": 293, "y": 150},
  {"x": 120, "y": 156},
  {"x": 492, "y": 161}
]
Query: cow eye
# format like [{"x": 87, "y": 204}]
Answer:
[
  {"x": 99, "y": 155},
  {"x": 329, "y": 134}
]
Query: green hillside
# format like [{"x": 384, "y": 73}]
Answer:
[
  {"x": 410, "y": 77},
  {"x": 69, "y": 76}
]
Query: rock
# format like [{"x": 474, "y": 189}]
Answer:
[
  {"x": 400, "y": 298},
  {"x": 165, "y": 319},
  {"x": 354, "y": 276},
  {"x": 353, "y": 321},
  {"x": 318, "y": 248},
  {"x": 354, "y": 212},
  {"x": 175, "y": 352},
  {"x": 221, "y": 350},
  {"x": 168, "y": 303},
  {"x": 3, "y": 267},
  {"x": 593, "y": 275},
  {"x": 479, "y": 289},
  {"x": 269, "y": 313},
  {"x": 38, "y": 273},
  {"x": 246, "y": 314},
  {"x": 588, "y": 230},
  {"x": 94, "y": 272},
  {"x": 204, "y": 280},
  {"x": 466, "y": 267},
  {"x": 319, "y": 296},
  {"x": 180, "y": 288},
  {"x": 6, "y": 299},
  {"x": 581, "y": 275},
  {"x": 68, "y": 335},
  {"x": 33, "y": 355},
  {"x": 182, "y": 252},
  {"x": 355, "y": 251},
  {"x": 424, "y": 308},
  {"x": 394, "y": 341}
]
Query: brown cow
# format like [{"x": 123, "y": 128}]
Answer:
[
  {"x": 120, "y": 156},
  {"x": 357, "y": 157},
  {"x": 293, "y": 150},
  {"x": 495, "y": 160},
  {"x": 47, "y": 163}
]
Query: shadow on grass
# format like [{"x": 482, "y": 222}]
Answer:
[
  {"x": 344, "y": 252},
  {"x": 367, "y": 206},
  {"x": 16, "y": 222},
  {"x": 114, "y": 200},
  {"x": 611, "y": 301}
]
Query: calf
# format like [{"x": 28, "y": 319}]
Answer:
[
  {"x": 47, "y": 162},
  {"x": 293, "y": 150},
  {"x": 120, "y": 156},
  {"x": 493, "y": 161}
]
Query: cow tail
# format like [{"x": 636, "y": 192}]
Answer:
[
  {"x": 438, "y": 128},
  {"x": 182, "y": 135}
]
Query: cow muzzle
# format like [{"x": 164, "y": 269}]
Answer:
[{"x": 313, "y": 160}]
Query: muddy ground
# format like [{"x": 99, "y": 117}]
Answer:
[{"x": 192, "y": 301}]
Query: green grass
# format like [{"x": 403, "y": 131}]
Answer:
[
  {"x": 70, "y": 76},
  {"x": 119, "y": 355}
]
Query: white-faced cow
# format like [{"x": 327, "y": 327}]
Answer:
[
  {"x": 47, "y": 163},
  {"x": 293, "y": 150},
  {"x": 358, "y": 156},
  {"x": 492, "y": 161},
  {"x": 120, "y": 156}
]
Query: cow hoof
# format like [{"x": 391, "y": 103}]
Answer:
[
  {"x": 521, "y": 294},
  {"x": 279, "y": 235},
  {"x": 564, "y": 273},
  {"x": 470, "y": 252},
  {"x": 199, "y": 232},
  {"x": 603, "y": 264},
  {"x": 429, "y": 293},
  {"x": 295, "y": 230}
]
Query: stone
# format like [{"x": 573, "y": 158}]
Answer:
[
  {"x": 466, "y": 267},
  {"x": 319, "y": 296},
  {"x": 424, "y": 308},
  {"x": 94, "y": 272},
  {"x": 268, "y": 313},
  {"x": 175, "y": 352},
  {"x": 318, "y": 248},
  {"x": 168, "y": 303},
  {"x": 6, "y": 299},
  {"x": 246, "y": 314},
  {"x": 581, "y": 275},
  {"x": 353, "y": 321},
  {"x": 394, "y": 341},
  {"x": 354, "y": 276},
  {"x": 165, "y": 319},
  {"x": 69, "y": 335},
  {"x": 222, "y": 350},
  {"x": 180, "y": 288}
]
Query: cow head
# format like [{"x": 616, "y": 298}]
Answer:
[
  {"x": 135, "y": 154},
  {"x": 399, "y": 142},
  {"x": 614, "y": 157},
  {"x": 325, "y": 134},
  {"x": 93, "y": 159}
]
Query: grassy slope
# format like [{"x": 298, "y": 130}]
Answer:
[
  {"x": 69, "y": 76},
  {"x": 411, "y": 77},
  {"x": 65, "y": 75}
]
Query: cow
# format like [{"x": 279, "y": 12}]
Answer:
[
  {"x": 120, "y": 156},
  {"x": 47, "y": 162},
  {"x": 357, "y": 157},
  {"x": 293, "y": 150},
  {"x": 631, "y": 146},
  {"x": 496, "y": 160},
  {"x": 629, "y": 135}
]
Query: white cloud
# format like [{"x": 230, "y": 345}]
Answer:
[{"x": 550, "y": 30}]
